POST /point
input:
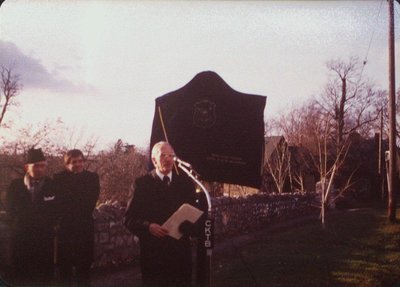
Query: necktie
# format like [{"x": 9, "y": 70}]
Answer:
[
  {"x": 35, "y": 190},
  {"x": 166, "y": 180}
]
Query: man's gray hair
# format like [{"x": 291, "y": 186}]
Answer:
[{"x": 156, "y": 148}]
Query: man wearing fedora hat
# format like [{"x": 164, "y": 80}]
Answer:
[{"x": 32, "y": 215}]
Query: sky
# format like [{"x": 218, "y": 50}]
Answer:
[{"x": 100, "y": 65}]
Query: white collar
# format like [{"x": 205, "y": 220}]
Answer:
[
  {"x": 161, "y": 176},
  {"x": 29, "y": 180}
]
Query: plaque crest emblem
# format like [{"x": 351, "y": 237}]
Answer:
[{"x": 204, "y": 115}]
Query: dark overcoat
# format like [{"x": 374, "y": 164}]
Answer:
[
  {"x": 77, "y": 195},
  {"x": 32, "y": 219},
  {"x": 164, "y": 261}
]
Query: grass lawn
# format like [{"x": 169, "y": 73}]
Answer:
[{"x": 356, "y": 248}]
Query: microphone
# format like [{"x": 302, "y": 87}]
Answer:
[{"x": 184, "y": 163}]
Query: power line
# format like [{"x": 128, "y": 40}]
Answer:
[
  {"x": 395, "y": 9},
  {"x": 370, "y": 41}
]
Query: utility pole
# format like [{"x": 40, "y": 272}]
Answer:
[
  {"x": 392, "y": 189},
  {"x": 381, "y": 158}
]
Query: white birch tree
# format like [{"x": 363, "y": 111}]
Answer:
[{"x": 279, "y": 164}]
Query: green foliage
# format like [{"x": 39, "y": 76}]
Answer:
[{"x": 357, "y": 248}]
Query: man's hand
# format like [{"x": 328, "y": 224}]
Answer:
[
  {"x": 157, "y": 230},
  {"x": 187, "y": 228}
]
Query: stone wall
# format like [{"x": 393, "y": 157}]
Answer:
[
  {"x": 240, "y": 215},
  {"x": 232, "y": 216},
  {"x": 115, "y": 245}
]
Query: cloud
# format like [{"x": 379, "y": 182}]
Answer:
[{"x": 33, "y": 74}]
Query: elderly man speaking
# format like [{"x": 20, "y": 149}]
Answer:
[{"x": 165, "y": 261}]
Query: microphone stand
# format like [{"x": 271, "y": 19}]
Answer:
[{"x": 208, "y": 224}]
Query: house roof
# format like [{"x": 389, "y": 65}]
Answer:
[{"x": 270, "y": 145}]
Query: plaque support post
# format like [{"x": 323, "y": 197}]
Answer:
[{"x": 207, "y": 242}]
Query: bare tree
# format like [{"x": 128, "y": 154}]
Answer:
[
  {"x": 10, "y": 86},
  {"x": 297, "y": 176},
  {"x": 329, "y": 161},
  {"x": 47, "y": 135},
  {"x": 301, "y": 169},
  {"x": 278, "y": 164},
  {"x": 328, "y": 126},
  {"x": 118, "y": 168},
  {"x": 297, "y": 124},
  {"x": 348, "y": 100}
]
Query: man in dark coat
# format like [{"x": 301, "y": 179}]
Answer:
[
  {"x": 32, "y": 214},
  {"x": 165, "y": 261},
  {"x": 77, "y": 192}
]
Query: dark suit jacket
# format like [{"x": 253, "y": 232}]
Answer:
[
  {"x": 77, "y": 195},
  {"x": 32, "y": 223},
  {"x": 31, "y": 217},
  {"x": 164, "y": 261}
]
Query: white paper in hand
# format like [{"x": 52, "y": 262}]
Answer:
[{"x": 185, "y": 212}]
